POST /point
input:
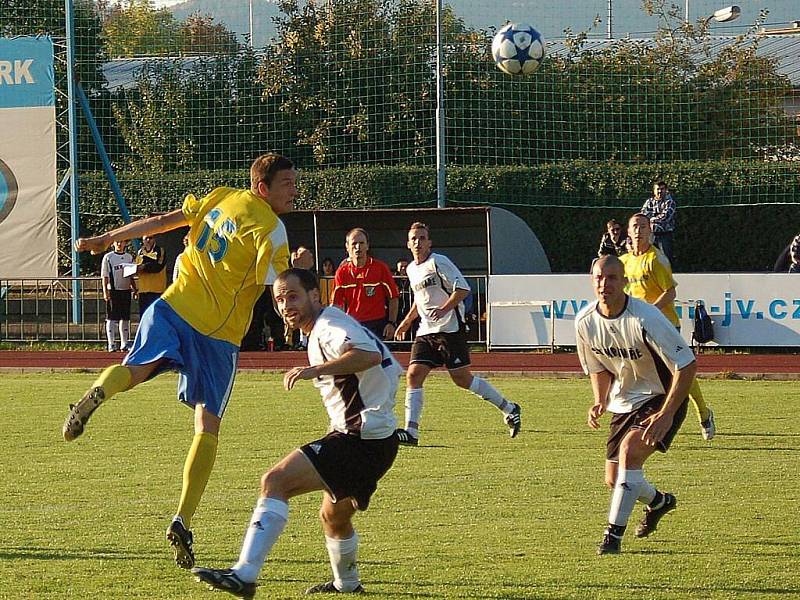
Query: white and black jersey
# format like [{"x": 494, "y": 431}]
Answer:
[
  {"x": 359, "y": 403},
  {"x": 432, "y": 282},
  {"x": 112, "y": 267},
  {"x": 639, "y": 347}
]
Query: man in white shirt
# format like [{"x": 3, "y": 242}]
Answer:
[
  {"x": 117, "y": 288},
  {"x": 641, "y": 370},
  {"x": 439, "y": 291},
  {"x": 357, "y": 378}
]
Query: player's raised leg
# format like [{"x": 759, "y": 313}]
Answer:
[
  {"x": 463, "y": 378},
  {"x": 112, "y": 381}
]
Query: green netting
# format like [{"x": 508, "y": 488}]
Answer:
[{"x": 352, "y": 84}]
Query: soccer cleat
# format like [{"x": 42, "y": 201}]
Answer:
[
  {"x": 329, "y": 588},
  {"x": 225, "y": 580},
  {"x": 514, "y": 420},
  {"x": 406, "y": 439},
  {"x": 649, "y": 522},
  {"x": 708, "y": 428},
  {"x": 611, "y": 544},
  {"x": 181, "y": 540},
  {"x": 79, "y": 413}
]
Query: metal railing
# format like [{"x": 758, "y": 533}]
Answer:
[{"x": 43, "y": 310}]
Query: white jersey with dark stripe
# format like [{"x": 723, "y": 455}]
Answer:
[
  {"x": 113, "y": 266},
  {"x": 360, "y": 403},
  {"x": 432, "y": 282},
  {"x": 640, "y": 348}
]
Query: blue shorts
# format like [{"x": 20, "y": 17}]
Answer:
[{"x": 207, "y": 366}]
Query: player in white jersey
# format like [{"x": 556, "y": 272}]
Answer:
[
  {"x": 439, "y": 291},
  {"x": 357, "y": 378},
  {"x": 641, "y": 370},
  {"x": 117, "y": 288}
]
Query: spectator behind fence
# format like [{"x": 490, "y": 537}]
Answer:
[
  {"x": 302, "y": 258},
  {"x": 326, "y": 281},
  {"x": 117, "y": 288},
  {"x": 661, "y": 209},
  {"x": 152, "y": 272},
  {"x": 794, "y": 255},
  {"x": 177, "y": 266},
  {"x": 364, "y": 285},
  {"x": 614, "y": 240}
]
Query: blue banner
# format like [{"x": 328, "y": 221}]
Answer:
[{"x": 26, "y": 72}]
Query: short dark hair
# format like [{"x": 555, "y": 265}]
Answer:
[
  {"x": 659, "y": 183},
  {"x": 266, "y": 166},
  {"x": 307, "y": 278}
]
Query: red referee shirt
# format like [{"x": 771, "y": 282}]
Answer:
[{"x": 364, "y": 291}]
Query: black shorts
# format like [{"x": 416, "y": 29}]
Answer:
[
  {"x": 350, "y": 466},
  {"x": 441, "y": 349},
  {"x": 376, "y": 326},
  {"x": 118, "y": 305},
  {"x": 622, "y": 423}
]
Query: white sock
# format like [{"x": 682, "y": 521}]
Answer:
[
  {"x": 269, "y": 519},
  {"x": 647, "y": 491},
  {"x": 414, "y": 400},
  {"x": 484, "y": 389},
  {"x": 343, "y": 562},
  {"x": 111, "y": 333},
  {"x": 623, "y": 499},
  {"x": 124, "y": 332}
]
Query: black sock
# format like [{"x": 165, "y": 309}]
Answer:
[
  {"x": 616, "y": 530},
  {"x": 657, "y": 502}
]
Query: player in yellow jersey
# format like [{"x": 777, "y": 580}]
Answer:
[
  {"x": 649, "y": 276},
  {"x": 237, "y": 245}
]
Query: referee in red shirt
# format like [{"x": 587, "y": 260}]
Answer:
[{"x": 363, "y": 285}]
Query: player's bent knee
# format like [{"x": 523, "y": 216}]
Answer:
[{"x": 272, "y": 482}]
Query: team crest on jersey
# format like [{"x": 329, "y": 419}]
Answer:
[{"x": 370, "y": 291}]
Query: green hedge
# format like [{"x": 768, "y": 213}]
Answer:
[{"x": 566, "y": 204}]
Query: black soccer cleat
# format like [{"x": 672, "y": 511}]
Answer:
[
  {"x": 611, "y": 544},
  {"x": 329, "y": 588},
  {"x": 181, "y": 540},
  {"x": 406, "y": 439},
  {"x": 514, "y": 421},
  {"x": 649, "y": 522},
  {"x": 225, "y": 580},
  {"x": 79, "y": 413}
]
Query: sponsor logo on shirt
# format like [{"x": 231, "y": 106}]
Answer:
[{"x": 614, "y": 352}]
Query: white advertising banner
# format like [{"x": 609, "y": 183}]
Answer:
[
  {"x": 27, "y": 158},
  {"x": 748, "y": 309}
]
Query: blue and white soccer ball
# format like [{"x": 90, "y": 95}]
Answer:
[{"x": 518, "y": 49}]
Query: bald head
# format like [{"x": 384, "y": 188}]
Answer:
[{"x": 608, "y": 281}]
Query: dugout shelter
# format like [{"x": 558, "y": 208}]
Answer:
[{"x": 480, "y": 240}]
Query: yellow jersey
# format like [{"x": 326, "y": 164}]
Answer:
[
  {"x": 237, "y": 245},
  {"x": 649, "y": 275}
]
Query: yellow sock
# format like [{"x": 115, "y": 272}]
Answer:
[
  {"x": 697, "y": 399},
  {"x": 196, "y": 471},
  {"x": 114, "y": 380}
]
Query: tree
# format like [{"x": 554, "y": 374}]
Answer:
[
  {"x": 135, "y": 28},
  {"x": 200, "y": 35}
]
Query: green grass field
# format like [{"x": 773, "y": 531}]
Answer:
[{"x": 472, "y": 514}]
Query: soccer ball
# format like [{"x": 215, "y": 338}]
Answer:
[{"x": 518, "y": 49}]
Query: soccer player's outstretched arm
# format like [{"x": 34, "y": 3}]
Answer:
[{"x": 149, "y": 226}]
